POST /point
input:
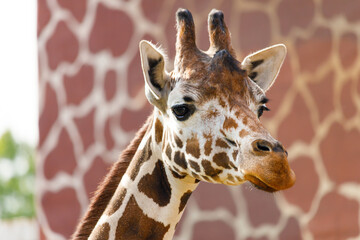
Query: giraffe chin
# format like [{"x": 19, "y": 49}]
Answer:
[{"x": 259, "y": 184}]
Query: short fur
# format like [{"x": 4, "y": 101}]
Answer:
[
  {"x": 108, "y": 186},
  {"x": 202, "y": 77}
]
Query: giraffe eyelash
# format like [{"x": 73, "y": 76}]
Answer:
[
  {"x": 261, "y": 110},
  {"x": 264, "y": 100}
]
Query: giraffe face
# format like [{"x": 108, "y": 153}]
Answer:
[
  {"x": 212, "y": 129},
  {"x": 210, "y": 106}
]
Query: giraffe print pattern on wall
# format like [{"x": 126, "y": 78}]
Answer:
[{"x": 92, "y": 102}]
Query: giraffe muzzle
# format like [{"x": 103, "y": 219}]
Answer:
[{"x": 269, "y": 169}]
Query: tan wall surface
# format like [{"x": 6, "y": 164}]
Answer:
[{"x": 92, "y": 102}]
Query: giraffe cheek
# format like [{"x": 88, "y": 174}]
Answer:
[
  {"x": 168, "y": 151},
  {"x": 192, "y": 147},
  {"x": 208, "y": 145},
  {"x": 222, "y": 160},
  {"x": 179, "y": 159},
  {"x": 158, "y": 131},
  {"x": 178, "y": 141}
]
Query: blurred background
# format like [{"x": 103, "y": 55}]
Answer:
[
  {"x": 18, "y": 119},
  {"x": 86, "y": 101}
]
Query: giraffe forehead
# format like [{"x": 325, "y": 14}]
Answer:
[{"x": 208, "y": 80}]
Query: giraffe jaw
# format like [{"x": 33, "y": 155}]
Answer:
[{"x": 259, "y": 184}]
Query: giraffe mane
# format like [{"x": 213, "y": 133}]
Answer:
[{"x": 106, "y": 189}]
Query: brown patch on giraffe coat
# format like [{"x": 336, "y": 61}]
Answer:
[
  {"x": 220, "y": 143},
  {"x": 158, "y": 131},
  {"x": 239, "y": 179},
  {"x": 178, "y": 141},
  {"x": 101, "y": 232},
  {"x": 134, "y": 224},
  {"x": 206, "y": 178},
  {"x": 243, "y": 133},
  {"x": 222, "y": 160},
  {"x": 116, "y": 201},
  {"x": 222, "y": 103},
  {"x": 229, "y": 123},
  {"x": 183, "y": 200},
  {"x": 209, "y": 170},
  {"x": 234, "y": 154},
  {"x": 212, "y": 113},
  {"x": 177, "y": 175},
  {"x": 208, "y": 143},
  {"x": 253, "y": 128},
  {"x": 179, "y": 159},
  {"x": 216, "y": 178},
  {"x": 194, "y": 175},
  {"x": 245, "y": 120},
  {"x": 230, "y": 178},
  {"x": 168, "y": 151},
  {"x": 156, "y": 185},
  {"x": 194, "y": 165},
  {"x": 139, "y": 158},
  {"x": 192, "y": 147}
]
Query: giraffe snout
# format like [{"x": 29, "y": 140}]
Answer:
[{"x": 269, "y": 170}]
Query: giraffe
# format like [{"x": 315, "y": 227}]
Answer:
[{"x": 205, "y": 127}]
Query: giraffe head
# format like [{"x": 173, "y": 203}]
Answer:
[{"x": 209, "y": 108}]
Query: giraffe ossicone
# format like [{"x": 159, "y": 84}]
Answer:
[{"x": 205, "y": 127}]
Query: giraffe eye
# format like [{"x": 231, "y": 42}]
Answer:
[
  {"x": 261, "y": 110},
  {"x": 183, "y": 112}
]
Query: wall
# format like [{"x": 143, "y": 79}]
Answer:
[{"x": 92, "y": 101}]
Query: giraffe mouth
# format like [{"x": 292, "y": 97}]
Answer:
[{"x": 259, "y": 184}]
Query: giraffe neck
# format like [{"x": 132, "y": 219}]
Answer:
[{"x": 150, "y": 199}]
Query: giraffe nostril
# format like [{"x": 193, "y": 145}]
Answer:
[{"x": 262, "y": 147}]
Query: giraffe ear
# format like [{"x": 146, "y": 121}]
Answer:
[
  {"x": 263, "y": 66},
  {"x": 153, "y": 66}
]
